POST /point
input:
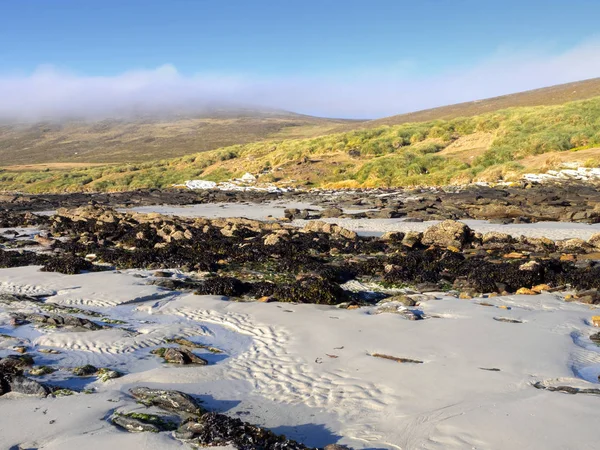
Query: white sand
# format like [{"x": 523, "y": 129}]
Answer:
[
  {"x": 257, "y": 211},
  {"x": 276, "y": 371}
]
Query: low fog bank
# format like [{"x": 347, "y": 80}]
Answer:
[{"x": 50, "y": 94}]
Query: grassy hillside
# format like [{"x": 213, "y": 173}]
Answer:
[
  {"x": 65, "y": 145},
  {"x": 492, "y": 146},
  {"x": 553, "y": 95},
  {"x": 118, "y": 141}
]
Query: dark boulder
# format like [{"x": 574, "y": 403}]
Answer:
[
  {"x": 213, "y": 429},
  {"x": 312, "y": 290},
  {"x": 170, "y": 400}
]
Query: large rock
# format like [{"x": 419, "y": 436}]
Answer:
[
  {"x": 594, "y": 241},
  {"x": 495, "y": 237},
  {"x": 85, "y": 371},
  {"x": 170, "y": 400},
  {"x": 412, "y": 239},
  {"x": 295, "y": 213},
  {"x": 14, "y": 363},
  {"x": 398, "y": 308},
  {"x": 27, "y": 386},
  {"x": 135, "y": 422},
  {"x": 386, "y": 213},
  {"x": 393, "y": 236},
  {"x": 182, "y": 356},
  {"x": 332, "y": 212},
  {"x": 574, "y": 245},
  {"x": 311, "y": 290},
  {"x": 58, "y": 321},
  {"x": 449, "y": 233},
  {"x": 91, "y": 212},
  {"x": 213, "y": 429},
  {"x": 319, "y": 226},
  {"x": 403, "y": 299},
  {"x": 539, "y": 244},
  {"x": 12, "y": 379}
]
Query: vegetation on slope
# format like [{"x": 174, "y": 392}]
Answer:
[
  {"x": 144, "y": 139},
  {"x": 409, "y": 154},
  {"x": 553, "y": 95}
]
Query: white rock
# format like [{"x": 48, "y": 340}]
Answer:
[
  {"x": 200, "y": 184},
  {"x": 248, "y": 178},
  {"x": 578, "y": 173}
]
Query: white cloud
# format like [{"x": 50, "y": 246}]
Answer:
[{"x": 50, "y": 93}]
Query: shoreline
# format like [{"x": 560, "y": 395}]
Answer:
[{"x": 409, "y": 346}]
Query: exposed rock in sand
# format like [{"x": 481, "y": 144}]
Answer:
[
  {"x": 58, "y": 321},
  {"x": 180, "y": 356},
  {"x": 170, "y": 400},
  {"x": 85, "y": 371},
  {"x": 594, "y": 241},
  {"x": 394, "y": 236},
  {"x": 448, "y": 233},
  {"x": 140, "y": 422},
  {"x": 319, "y": 226},
  {"x": 412, "y": 238},
  {"x": 214, "y": 429},
  {"x": 199, "y": 428},
  {"x": 495, "y": 237},
  {"x": 12, "y": 379}
]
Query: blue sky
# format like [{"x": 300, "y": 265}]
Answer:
[{"x": 239, "y": 48}]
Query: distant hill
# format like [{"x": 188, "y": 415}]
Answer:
[
  {"x": 498, "y": 145},
  {"x": 149, "y": 138},
  {"x": 488, "y": 140},
  {"x": 553, "y": 95},
  {"x": 78, "y": 143}
]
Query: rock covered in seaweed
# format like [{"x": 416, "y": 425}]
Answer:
[
  {"x": 68, "y": 264},
  {"x": 136, "y": 422},
  {"x": 198, "y": 427},
  {"x": 13, "y": 380},
  {"x": 213, "y": 429},
  {"x": 312, "y": 290},
  {"x": 449, "y": 233},
  {"x": 320, "y": 226},
  {"x": 170, "y": 400},
  {"x": 56, "y": 321},
  {"x": 179, "y": 356}
]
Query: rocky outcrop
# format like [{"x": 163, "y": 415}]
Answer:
[
  {"x": 319, "y": 226},
  {"x": 56, "y": 321},
  {"x": 448, "y": 233},
  {"x": 242, "y": 258},
  {"x": 567, "y": 201},
  {"x": 13, "y": 380},
  {"x": 213, "y": 429},
  {"x": 199, "y": 427},
  {"x": 85, "y": 371},
  {"x": 179, "y": 356},
  {"x": 311, "y": 290},
  {"x": 135, "y": 422},
  {"x": 332, "y": 212},
  {"x": 594, "y": 241},
  {"x": 170, "y": 400}
]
